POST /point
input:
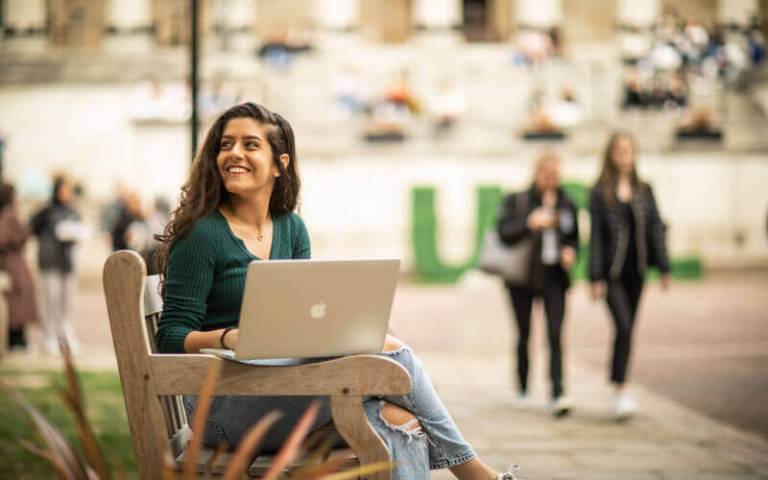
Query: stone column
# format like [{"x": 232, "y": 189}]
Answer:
[
  {"x": 337, "y": 14},
  {"x": 129, "y": 16},
  {"x": 502, "y": 18},
  {"x": 276, "y": 18},
  {"x": 238, "y": 14},
  {"x": 386, "y": 20},
  {"x": 636, "y": 13},
  {"x": 763, "y": 14},
  {"x": 437, "y": 14},
  {"x": 703, "y": 11},
  {"x": 171, "y": 20},
  {"x": 77, "y": 23},
  {"x": 589, "y": 20}
]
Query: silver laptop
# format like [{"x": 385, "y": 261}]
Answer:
[{"x": 315, "y": 308}]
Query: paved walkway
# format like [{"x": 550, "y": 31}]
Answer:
[
  {"x": 462, "y": 336},
  {"x": 665, "y": 441}
]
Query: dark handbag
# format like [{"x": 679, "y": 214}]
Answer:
[{"x": 511, "y": 262}]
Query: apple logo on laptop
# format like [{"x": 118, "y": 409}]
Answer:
[{"x": 317, "y": 311}]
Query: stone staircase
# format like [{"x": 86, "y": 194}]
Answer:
[{"x": 498, "y": 92}]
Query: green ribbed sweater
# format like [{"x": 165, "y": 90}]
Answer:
[{"x": 206, "y": 275}]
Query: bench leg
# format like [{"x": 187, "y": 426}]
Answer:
[{"x": 352, "y": 423}]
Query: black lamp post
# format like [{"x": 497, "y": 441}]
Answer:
[{"x": 194, "y": 77}]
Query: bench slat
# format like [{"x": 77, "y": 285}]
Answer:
[{"x": 203, "y": 459}]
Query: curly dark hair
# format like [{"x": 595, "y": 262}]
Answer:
[
  {"x": 204, "y": 190},
  {"x": 609, "y": 173}
]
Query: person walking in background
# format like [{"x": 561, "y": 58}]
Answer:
[
  {"x": 57, "y": 227},
  {"x": 21, "y": 301},
  {"x": 545, "y": 215},
  {"x": 627, "y": 236},
  {"x": 110, "y": 213},
  {"x": 129, "y": 231},
  {"x": 155, "y": 225}
]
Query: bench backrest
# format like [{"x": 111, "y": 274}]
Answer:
[
  {"x": 176, "y": 421},
  {"x": 156, "y": 422}
]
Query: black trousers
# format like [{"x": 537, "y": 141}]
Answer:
[
  {"x": 553, "y": 296},
  {"x": 623, "y": 298},
  {"x": 17, "y": 337}
]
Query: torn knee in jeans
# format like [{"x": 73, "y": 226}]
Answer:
[
  {"x": 400, "y": 420},
  {"x": 392, "y": 344}
]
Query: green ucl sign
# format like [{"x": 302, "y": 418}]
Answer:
[{"x": 430, "y": 268}]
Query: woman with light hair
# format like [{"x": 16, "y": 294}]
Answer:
[
  {"x": 627, "y": 237},
  {"x": 545, "y": 216}
]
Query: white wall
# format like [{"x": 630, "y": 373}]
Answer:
[
  {"x": 705, "y": 198},
  {"x": 22, "y": 14},
  {"x": 359, "y": 205},
  {"x": 87, "y": 131}
]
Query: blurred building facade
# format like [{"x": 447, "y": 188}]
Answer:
[{"x": 82, "y": 23}]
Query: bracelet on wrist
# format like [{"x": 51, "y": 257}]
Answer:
[{"x": 221, "y": 338}]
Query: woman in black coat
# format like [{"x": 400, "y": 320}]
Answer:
[
  {"x": 546, "y": 215},
  {"x": 627, "y": 237},
  {"x": 58, "y": 228}
]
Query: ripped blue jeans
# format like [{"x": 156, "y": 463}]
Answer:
[{"x": 438, "y": 444}]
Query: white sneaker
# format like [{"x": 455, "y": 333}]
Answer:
[
  {"x": 624, "y": 406},
  {"x": 51, "y": 346},
  {"x": 510, "y": 474},
  {"x": 561, "y": 406},
  {"x": 522, "y": 400}
]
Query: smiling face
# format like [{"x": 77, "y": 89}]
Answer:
[{"x": 245, "y": 158}]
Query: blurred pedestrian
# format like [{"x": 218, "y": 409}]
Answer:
[
  {"x": 57, "y": 227},
  {"x": 627, "y": 237},
  {"x": 129, "y": 231},
  {"x": 545, "y": 215},
  {"x": 110, "y": 213},
  {"x": 155, "y": 225},
  {"x": 22, "y": 305}
]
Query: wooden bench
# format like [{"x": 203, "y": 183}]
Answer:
[
  {"x": 153, "y": 383},
  {"x": 5, "y": 285}
]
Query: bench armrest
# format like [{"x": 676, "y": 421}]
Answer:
[{"x": 354, "y": 375}]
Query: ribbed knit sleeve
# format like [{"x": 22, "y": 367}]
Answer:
[
  {"x": 188, "y": 282},
  {"x": 300, "y": 244}
]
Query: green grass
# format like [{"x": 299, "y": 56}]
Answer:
[{"x": 104, "y": 409}]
